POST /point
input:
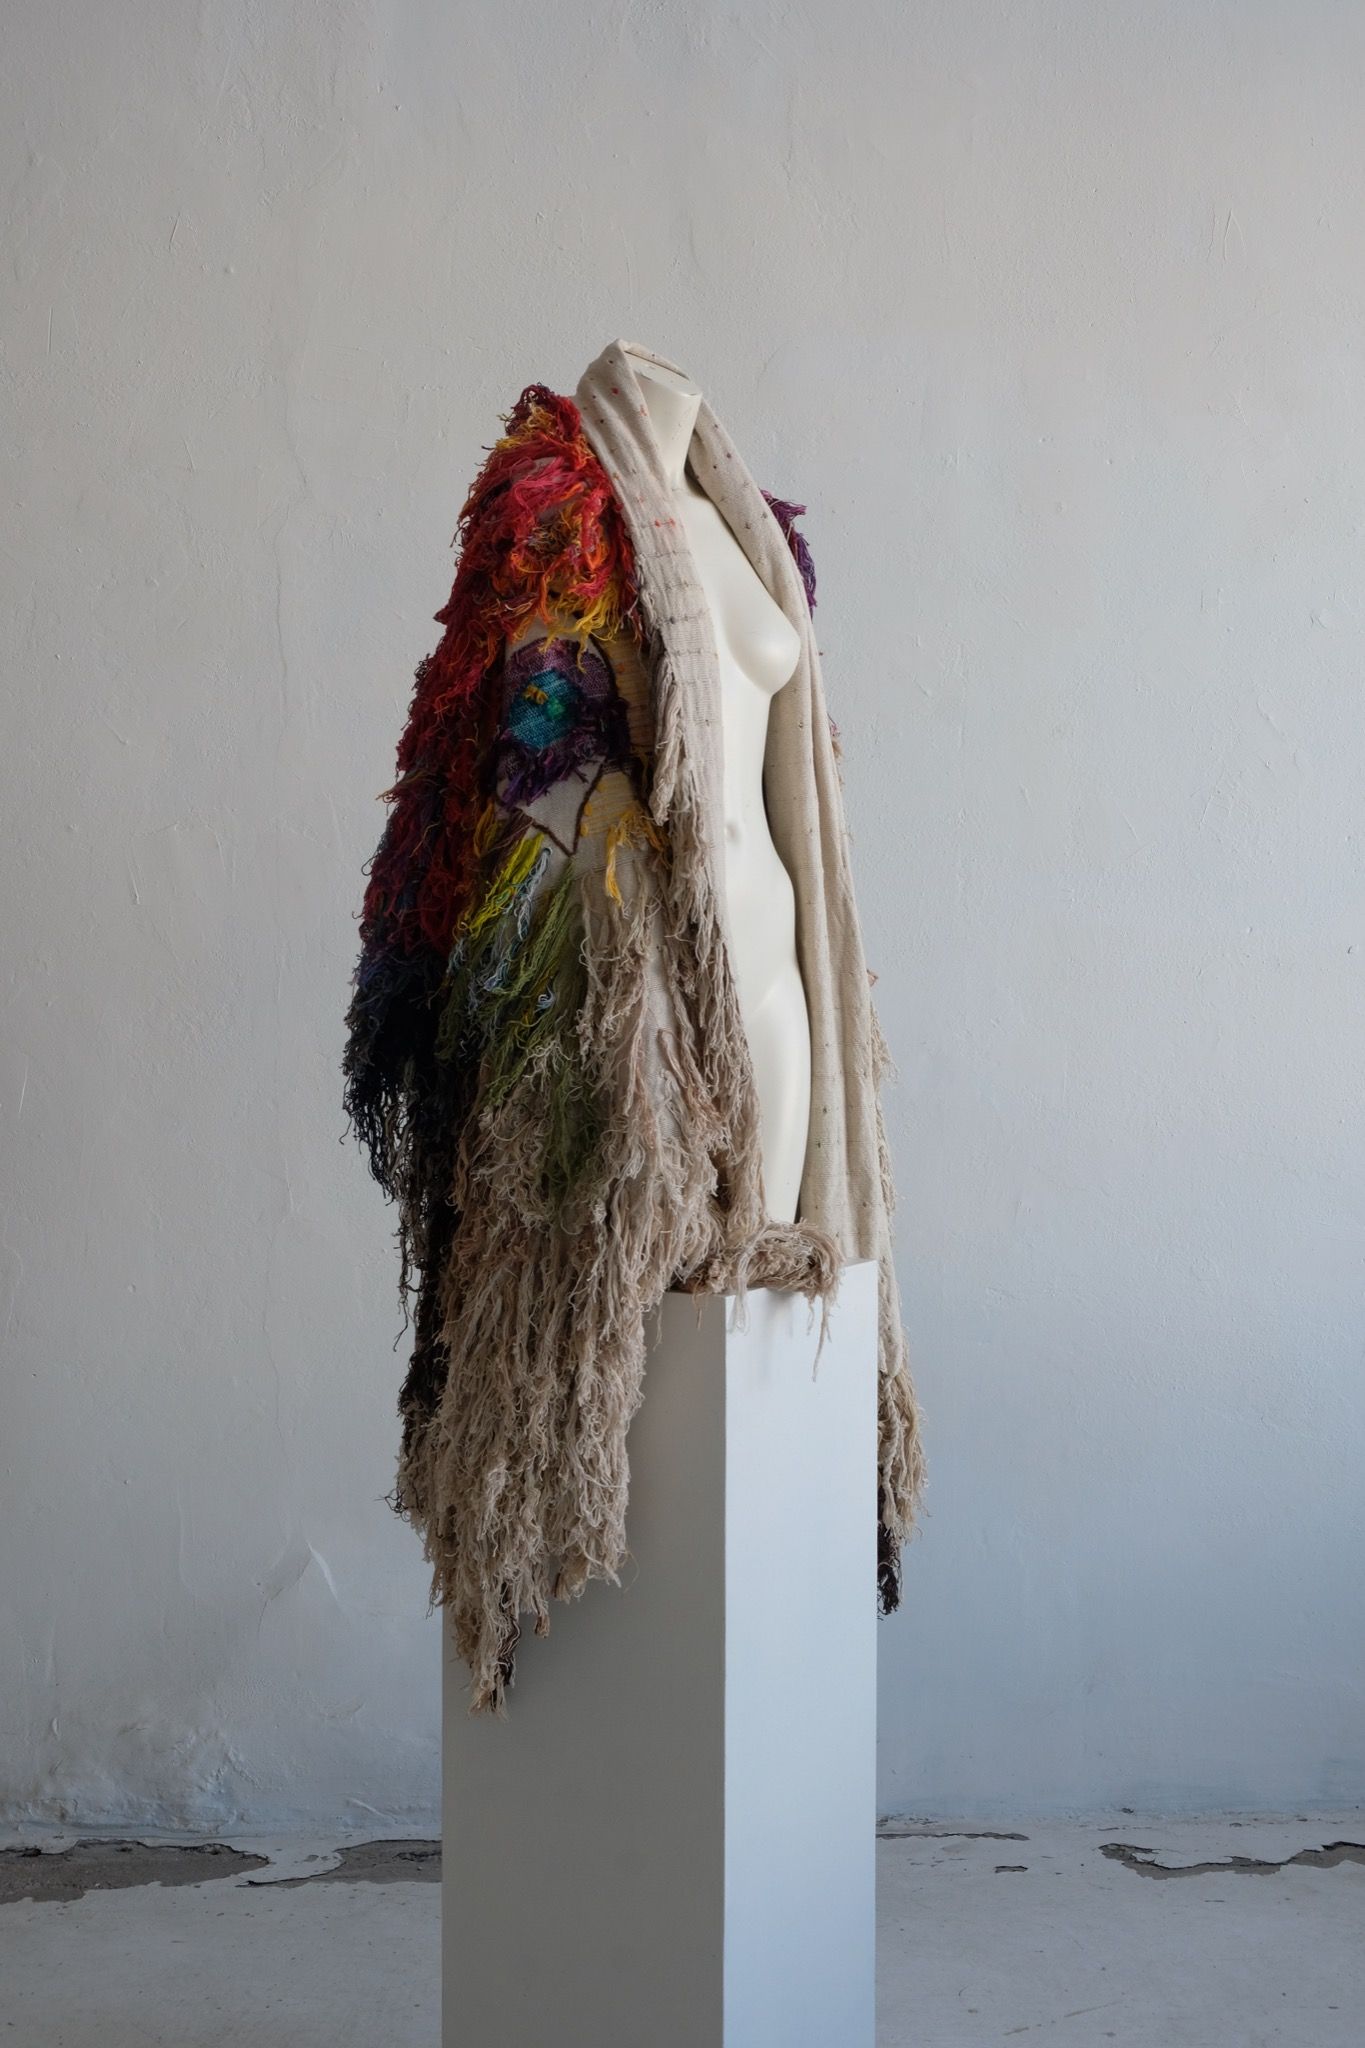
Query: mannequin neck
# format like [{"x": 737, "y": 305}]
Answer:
[{"x": 673, "y": 402}]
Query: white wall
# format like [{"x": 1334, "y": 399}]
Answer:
[{"x": 1052, "y": 313}]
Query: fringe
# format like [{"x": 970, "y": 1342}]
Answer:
[{"x": 900, "y": 1453}]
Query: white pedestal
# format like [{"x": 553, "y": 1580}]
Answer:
[{"x": 669, "y": 1843}]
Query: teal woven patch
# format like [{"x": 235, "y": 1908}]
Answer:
[{"x": 546, "y": 707}]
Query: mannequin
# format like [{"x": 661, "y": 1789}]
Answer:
[{"x": 758, "y": 648}]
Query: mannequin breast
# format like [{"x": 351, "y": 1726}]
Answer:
[{"x": 758, "y": 648}]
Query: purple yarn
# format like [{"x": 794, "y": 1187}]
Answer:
[
  {"x": 786, "y": 514},
  {"x": 527, "y": 776}
]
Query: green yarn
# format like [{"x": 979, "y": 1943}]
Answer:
[{"x": 513, "y": 991}]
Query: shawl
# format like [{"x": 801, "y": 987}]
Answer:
[{"x": 545, "y": 1060}]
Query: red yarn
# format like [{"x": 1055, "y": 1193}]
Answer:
[{"x": 539, "y": 530}]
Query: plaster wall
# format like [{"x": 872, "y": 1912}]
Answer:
[{"x": 1052, "y": 316}]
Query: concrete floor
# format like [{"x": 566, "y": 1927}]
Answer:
[{"x": 1148, "y": 1934}]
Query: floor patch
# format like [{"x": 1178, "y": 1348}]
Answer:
[
  {"x": 100, "y": 1866},
  {"x": 1144, "y": 1861},
  {"x": 375, "y": 1863},
  {"x": 922, "y": 1831}
]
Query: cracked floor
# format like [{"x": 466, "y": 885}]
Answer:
[{"x": 1033, "y": 1933}]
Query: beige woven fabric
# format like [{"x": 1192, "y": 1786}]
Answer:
[{"x": 847, "y": 1191}]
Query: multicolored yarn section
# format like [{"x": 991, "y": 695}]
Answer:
[
  {"x": 539, "y": 537},
  {"x": 561, "y": 712},
  {"x": 436, "y": 994}
]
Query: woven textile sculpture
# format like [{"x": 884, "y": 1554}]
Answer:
[{"x": 545, "y": 1057}]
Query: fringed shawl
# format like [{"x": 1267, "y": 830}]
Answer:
[{"x": 545, "y": 1059}]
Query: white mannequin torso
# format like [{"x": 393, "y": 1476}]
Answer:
[{"x": 758, "y": 649}]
